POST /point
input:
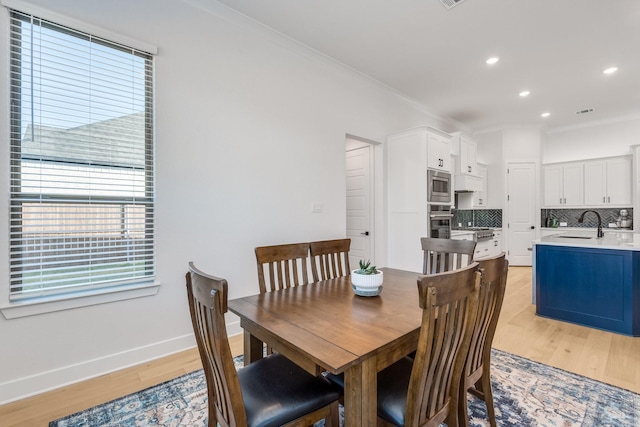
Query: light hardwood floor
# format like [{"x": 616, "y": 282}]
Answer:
[{"x": 607, "y": 357}]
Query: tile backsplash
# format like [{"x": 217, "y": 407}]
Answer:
[
  {"x": 570, "y": 216},
  {"x": 493, "y": 217},
  {"x": 477, "y": 218}
]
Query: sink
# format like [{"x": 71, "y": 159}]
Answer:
[{"x": 576, "y": 237}]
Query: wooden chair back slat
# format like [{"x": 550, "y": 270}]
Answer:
[
  {"x": 449, "y": 302},
  {"x": 476, "y": 375},
  {"x": 330, "y": 259},
  {"x": 286, "y": 266},
  {"x": 442, "y": 255},
  {"x": 207, "y": 304}
]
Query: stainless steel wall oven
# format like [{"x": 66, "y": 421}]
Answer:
[
  {"x": 440, "y": 221},
  {"x": 439, "y": 187}
]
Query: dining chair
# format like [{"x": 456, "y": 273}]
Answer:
[
  {"x": 269, "y": 392},
  {"x": 329, "y": 259},
  {"x": 442, "y": 255},
  {"x": 423, "y": 391},
  {"x": 285, "y": 266},
  {"x": 476, "y": 377}
]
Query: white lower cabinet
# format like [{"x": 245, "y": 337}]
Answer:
[
  {"x": 489, "y": 248},
  {"x": 462, "y": 235},
  {"x": 483, "y": 250}
]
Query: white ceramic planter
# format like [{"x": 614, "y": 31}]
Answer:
[{"x": 367, "y": 285}]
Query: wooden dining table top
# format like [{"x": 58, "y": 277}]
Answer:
[{"x": 325, "y": 326}]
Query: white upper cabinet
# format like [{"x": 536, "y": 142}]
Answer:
[
  {"x": 480, "y": 197},
  {"x": 607, "y": 182},
  {"x": 438, "y": 149},
  {"x": 564, "y": 185},
  {"x": 591, "y": 183},
  {"x": 466, "y": 149},
  {"x": 466, "y": 166}
]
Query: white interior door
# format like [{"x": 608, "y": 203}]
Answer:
[
  {"x": 521, "y": 211},
  {"x": 359, "y": 203}
]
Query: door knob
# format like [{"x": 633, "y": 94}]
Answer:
[
  {"x": 533, "y": 227},
  {"x": 366, "y": 233}
]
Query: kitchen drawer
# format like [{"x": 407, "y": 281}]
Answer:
[
  {"x": 483, "y": 250},
  {"x": 462, "y": 235}
]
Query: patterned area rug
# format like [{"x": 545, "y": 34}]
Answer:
[{"x": 526, "y": 393}]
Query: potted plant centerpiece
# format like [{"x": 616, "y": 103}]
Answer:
[{"x": 367, "y": 280}]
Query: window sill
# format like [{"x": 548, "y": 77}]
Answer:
[{"x": 33, "y": 307}]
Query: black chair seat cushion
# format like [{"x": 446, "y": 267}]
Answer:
[
  {"x": 276, "y": 391},
  {"x": 393, "y": 384}
]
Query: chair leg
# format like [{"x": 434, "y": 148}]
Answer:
[
  {"x": 463, "y": 412},
  {"x": 334, "y": 417},
  {"x": 488, "y": 397}
]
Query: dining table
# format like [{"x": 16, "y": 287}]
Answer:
[{"x": 325, "y": 326}]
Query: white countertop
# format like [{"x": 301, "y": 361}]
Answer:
[
  {"x": 606, "y": 229},
  {"x": 459, "y": 231},
  {"x": 587, "y": 239}
]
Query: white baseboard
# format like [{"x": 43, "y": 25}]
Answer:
[{"x": 45, "y": 381}]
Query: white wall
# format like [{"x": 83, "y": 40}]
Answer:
[
  {"x": 250, "y": 131},
  {"x": 592, "y": 141}
]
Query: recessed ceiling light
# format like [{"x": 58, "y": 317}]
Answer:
[
  {"x": 524, "y": 93},
  {"x": 493, "y": 60},
  {"x": 545, "y": 114},
  {"x": 610, "y": 70}
]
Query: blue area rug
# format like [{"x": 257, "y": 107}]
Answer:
[{"x": 526, "y": 393}]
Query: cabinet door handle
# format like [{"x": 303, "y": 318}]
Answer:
[
  {"x": 608, "y": 199},
  {"x": 560, "y": 200},
  {"x": 469, "y": 168},
  {"x": 603, "y": 199},
  {"x": 565, "y": 200}
]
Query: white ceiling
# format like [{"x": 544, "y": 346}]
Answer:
[{"x": 557, "y": 49}]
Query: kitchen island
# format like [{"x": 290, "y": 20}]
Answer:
[{"x": 590, "y": 281}]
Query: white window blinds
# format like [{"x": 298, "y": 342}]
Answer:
[{"x": 82, "y": 163}]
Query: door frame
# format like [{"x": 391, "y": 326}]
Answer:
[
  {"x": 376, "y": 202},
  {"x": 505, "y": 201}
]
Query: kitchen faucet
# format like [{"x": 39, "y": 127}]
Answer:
[{"x": 581, "y": 219}]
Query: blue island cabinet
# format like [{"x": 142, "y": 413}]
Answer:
[{"x": 593, "y": 287}]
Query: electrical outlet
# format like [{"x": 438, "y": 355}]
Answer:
[{"x": 317, "y": 207}]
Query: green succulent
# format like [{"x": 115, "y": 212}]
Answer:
[{"x": 366, "y": 268}]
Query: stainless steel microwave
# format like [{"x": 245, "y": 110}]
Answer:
[{"x": 439, "y": 186}]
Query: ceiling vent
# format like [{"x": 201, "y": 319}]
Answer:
[
  {"x": 585, "y": 111},
  {"x": 450, "y": 3}
]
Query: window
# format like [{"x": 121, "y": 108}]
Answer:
[{"x": 82, "y": 162}]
